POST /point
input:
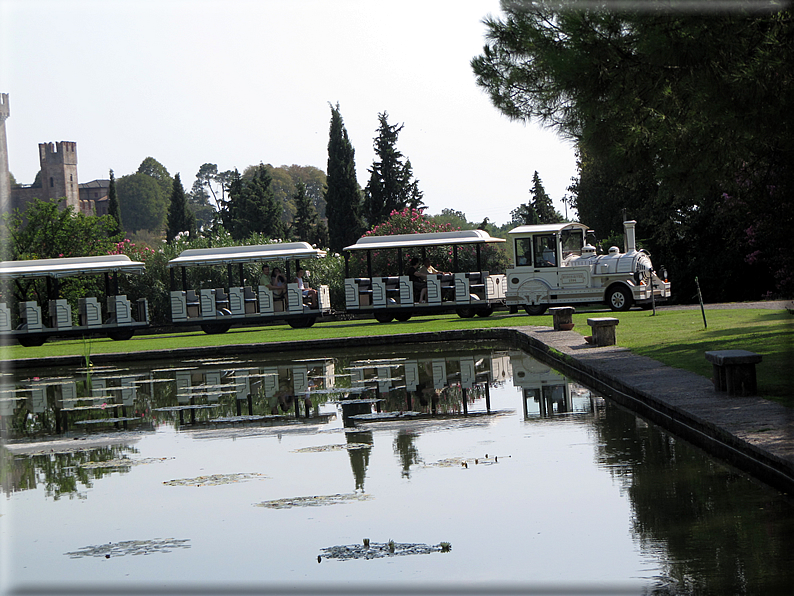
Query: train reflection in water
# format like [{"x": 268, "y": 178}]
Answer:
[
  {"x": 226, "y": 391},
  {"x": 110, "y": 408}
]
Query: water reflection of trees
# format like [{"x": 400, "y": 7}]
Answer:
[
  {"x": 359, "y": 458},
  {"x": 60, "y": 474},
  {"x": 722, "y": 534},
  {"x": 406, "y": 450}
]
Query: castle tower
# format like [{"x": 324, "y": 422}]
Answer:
[
  {"x": 5, "y": 177},
  {"x": 59, "y": 171}
]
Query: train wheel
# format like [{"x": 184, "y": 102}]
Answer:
[
  {"x": 466, "y": 312},
  {"x": 535, "y": 309},
  {"x": 403, "y": 316},
  {"x": 121, "y": 334},
  {"x": 32, "y": 342},
  {"x": 619, "y": 299},
  {"x": 383, "y": 317},
  {"x": 485, "y": 312},
  {"x": 215, "y": 328}
]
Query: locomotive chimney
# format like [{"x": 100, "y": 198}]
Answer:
[{"x": 630, "y": 243}]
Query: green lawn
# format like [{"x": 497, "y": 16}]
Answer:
[{"x": 674, "y": 337}]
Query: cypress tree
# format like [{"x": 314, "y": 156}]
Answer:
[
  {"x": 180, "y": 219},
  {"x": 113, "y": 206},
  {"x": 342, "y": 195}
]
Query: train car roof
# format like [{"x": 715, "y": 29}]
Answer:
[
  {"x": 69, "y": 266},
  {"x": 548, "y": 228},
  {"x": 245, "y": 254},
  {"x": 426, "y": 239}
]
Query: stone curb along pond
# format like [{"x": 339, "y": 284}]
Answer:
[{"x": 753, "y": 434}]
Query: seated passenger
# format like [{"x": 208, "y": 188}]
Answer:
[
  {"x": 274, "y": 281},
  {"x": 306, "y": 291},
  {"x": 419, "y": 285}
]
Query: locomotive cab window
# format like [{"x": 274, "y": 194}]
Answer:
[
  {"x": 572, "y": 242},
  {"x": 523, "y": 251},
  {"x": 544, "y": 251}
]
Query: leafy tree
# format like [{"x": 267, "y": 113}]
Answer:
[
  {"x": 680, "y": 122},
  {"x": 391, "y": 185},
  {"x": 113, "y": 205},
  {"x": 305, "y": 221},
  {"x": 48, "y": 230},
  {"x": 143, "y": 202},
  {"x": 151, "y": 167},
  {"x": 343, "y": 195},
  {"x": 180, "y": 218},
  {"x": 199, "y": 205},
  {"x": 457, "y": 219},
  {"x": 212, "y": 184}
]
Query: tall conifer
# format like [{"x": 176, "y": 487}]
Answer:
[
  {"x": 391, "y": 185},
  {"x": 180, "y": 218},
  {"x": 113, "y": 206},
  {"x": 342, "y": 195}
]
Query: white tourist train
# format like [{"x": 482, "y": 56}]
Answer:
[
  {"x": 554, "y": 265},
  {"x": 215, "y": 288},
  {"x": 389, "y": 295},
  {"x": 118, "y": 319},
  {"x": 215, "y": 309}
]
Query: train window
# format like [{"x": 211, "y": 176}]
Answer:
[
  {"x": 572, "y": 242},
  {"x": 545, "y": 251},
  {"x": 523, "y": 251}
]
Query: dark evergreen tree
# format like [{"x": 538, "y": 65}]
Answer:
[
  {"x": 524, "y": 215},
  {"x": 391, "y": 185},
  {"x": 180, "y": 218},
  {"x": 682, "y": 121},
  {"x": 113, "y": 206},
  {"x": 305, "y": 220},
  {"x": 253, "y": 208},
  {"x": 542, "y": 203},
  {"x": 321, "y": 235},
  {"x": 342, "y": 194}
]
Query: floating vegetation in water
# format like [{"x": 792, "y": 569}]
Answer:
[
  {"x": 314, "y": 501},
  {"x": 324, "y": 448},
  {"x": 377, "y": 550},
  {"x": 130, "y": 547},
  {"x": 122, "y": 462},
  {"x": 216, "y": 479},
  {"x": 465, "y": 462}
]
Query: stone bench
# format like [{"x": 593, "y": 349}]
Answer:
[
  {"x": 603, "y": 330},
  {"x": 734, "y": 371},
  {"x": 563, "y": 317}
]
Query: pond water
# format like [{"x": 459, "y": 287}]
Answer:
[{"x": 472, "y": 468}]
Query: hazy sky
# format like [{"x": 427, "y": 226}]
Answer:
[{"x": 236, "y": 83}]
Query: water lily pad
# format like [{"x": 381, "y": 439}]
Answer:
[
  {"x": 377, "y": 550},
  {"x": 130, "y": 547},
  {"x": 215, "y": 479},
  {"x": 324, "y": 448},
  {"x": 314, "y": 501}
]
